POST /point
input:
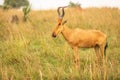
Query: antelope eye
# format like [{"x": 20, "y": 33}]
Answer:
[{"x": 59, "y": 24}]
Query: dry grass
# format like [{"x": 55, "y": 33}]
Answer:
[{"x": 28, "y": 52}]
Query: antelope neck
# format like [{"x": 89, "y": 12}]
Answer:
[{"x": 66, "y": 32}]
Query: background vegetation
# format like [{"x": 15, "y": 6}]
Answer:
[
  {"x": 15, "y": 3},
  {"x": 72, "y": 4},
  {"x": 28, "y": 51}
]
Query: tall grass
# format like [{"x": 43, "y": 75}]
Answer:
[{"x": 28, "y": 52}]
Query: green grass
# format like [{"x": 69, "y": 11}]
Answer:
[{"x": 28, "y": 51}]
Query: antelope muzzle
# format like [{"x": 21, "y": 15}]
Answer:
[{"x": 53, "y": 35}]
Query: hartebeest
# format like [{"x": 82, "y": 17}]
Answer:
[{"x": 80, "y": 38}]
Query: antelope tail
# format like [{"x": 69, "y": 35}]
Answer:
[{"x": 106, "y": 45}]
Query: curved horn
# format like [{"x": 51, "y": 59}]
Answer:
[
  {"x": 58, "y": 11},
  {"x": 63, "y": 12}
]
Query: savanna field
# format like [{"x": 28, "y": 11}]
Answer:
[{"x": 28, "y": 51}]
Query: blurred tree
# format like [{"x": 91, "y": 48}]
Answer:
[
  {"x": 26, "y": 11},
  {"x": 72, "y": 4},
  {"x": 16, "y": 3}
]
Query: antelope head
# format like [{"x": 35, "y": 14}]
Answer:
[{"x": 59, "y": 27}]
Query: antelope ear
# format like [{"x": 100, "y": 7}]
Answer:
[{"x": 64, "y": 22}]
